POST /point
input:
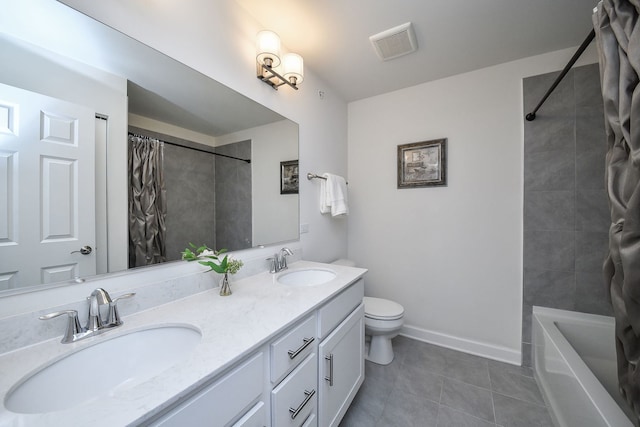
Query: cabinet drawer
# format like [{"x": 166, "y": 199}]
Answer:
[
  {"x": 339, "y": 308},
  {"x": 256, "y": 417},
  {"x": 296, "y": 393},
  {"x": 292, "y": 348},
  {"x": 312, "y": 421},
  {"x": 222, "y": 401}
]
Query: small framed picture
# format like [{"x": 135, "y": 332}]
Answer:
[
  {"x": 422, "y": 164},
  {"x": 289, "y": 177}
]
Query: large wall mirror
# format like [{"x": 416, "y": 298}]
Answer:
[{"x": 75, "y": 96}]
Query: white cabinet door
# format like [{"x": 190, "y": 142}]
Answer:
[{"x": 341, "y": 370}]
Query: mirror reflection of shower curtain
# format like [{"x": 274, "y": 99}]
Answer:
[
  {"x": 147, "y": 201},
  {"x": 618, "y": 38}
]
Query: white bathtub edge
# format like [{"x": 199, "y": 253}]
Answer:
[{"x": 545, "y": 318}]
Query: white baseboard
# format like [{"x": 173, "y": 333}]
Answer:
[{"x": 477, "y": 348}]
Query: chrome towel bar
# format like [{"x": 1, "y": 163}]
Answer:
[{"x": 311, "y": 176}]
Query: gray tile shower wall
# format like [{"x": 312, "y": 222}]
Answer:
[
  {"x": 189, "y": 176},
  {"x": 566, "y": 214},
  {"x": 233, "y": 197}
]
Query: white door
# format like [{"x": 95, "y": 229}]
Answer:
[{"x": 47, "y": 201}]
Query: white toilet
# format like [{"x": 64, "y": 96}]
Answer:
[{"x": 383, "y": 320}]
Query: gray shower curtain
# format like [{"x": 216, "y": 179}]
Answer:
[
  {"x": 147, "y": 202},
  {"x": 618, "y": 38}
]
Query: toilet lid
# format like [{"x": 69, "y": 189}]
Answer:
[{"x": 378, "y": 308}]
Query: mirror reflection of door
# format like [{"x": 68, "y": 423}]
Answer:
[{"x": 46, "y": 145}]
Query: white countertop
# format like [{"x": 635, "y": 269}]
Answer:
[{"x": 232, "y": 327}]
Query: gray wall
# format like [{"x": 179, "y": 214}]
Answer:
[
  {"x": 189, "y": 177},
  {"x": 233, "y": 197},
  {"x": 566, "y": 216}
]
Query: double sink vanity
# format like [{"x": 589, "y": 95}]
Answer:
[{"x": 284, "y": 349}]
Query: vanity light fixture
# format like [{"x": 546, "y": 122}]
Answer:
[{"x": 268, "y": 60}]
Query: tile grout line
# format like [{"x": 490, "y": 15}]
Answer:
[
  {"x": 460, "y": 411},
  {"x": 522, "y": 400},
  {"x": 493, "y": 403}
]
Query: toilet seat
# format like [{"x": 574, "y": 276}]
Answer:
[{"x": 382, "y": 309}]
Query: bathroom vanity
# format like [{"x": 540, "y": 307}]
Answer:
[{"x": 271, "y": 354}]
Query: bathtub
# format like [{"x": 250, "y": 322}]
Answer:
[{"x": 574, "y": 364}]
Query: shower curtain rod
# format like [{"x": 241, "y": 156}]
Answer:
[
  {"x": 196, "y": 149},
  {"x": 532, "y": 115},
  {"x": 209, "y": 152}
]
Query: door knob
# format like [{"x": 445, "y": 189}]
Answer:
[{"x": 85, "y": 250}]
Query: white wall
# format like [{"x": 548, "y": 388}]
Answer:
[
  {"x": 452, "y": 256},
  {"x": 274, "y": 215},
  {"x": 217, "y": 38}
]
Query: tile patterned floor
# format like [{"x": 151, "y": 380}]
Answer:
[{"x": 431, "y": 386}]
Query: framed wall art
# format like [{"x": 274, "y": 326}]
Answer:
[
  {"x": 422, "y": 164},
  {"x": 289, "y": 177}
]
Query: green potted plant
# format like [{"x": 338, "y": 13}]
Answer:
[{"x": 211, "y": 258}]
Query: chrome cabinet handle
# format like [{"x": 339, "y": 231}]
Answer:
[
  {"x": 330, "y": 377},
  {"x": 308, "y": 396},
  {"x": 85, "y": 250},
  {"x": 306, "y": 342}
]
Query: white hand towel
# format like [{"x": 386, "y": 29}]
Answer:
[
  {"x": 325, "y": 204},
  {"x": 336, "y": 194}
]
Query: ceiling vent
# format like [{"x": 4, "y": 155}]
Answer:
[{"x": 395, "y": 42}]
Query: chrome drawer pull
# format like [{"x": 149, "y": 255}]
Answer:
[
  {"x": 330, "y": 377},
  {"x": 306, "y": 342},
  {"x": 295, "y": 412}
]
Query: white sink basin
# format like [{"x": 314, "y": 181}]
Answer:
[
  {"x": 309, "y": 277},
  {"x": 102, "y": 369}
]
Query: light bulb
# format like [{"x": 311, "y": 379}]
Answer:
[
  {"x": 293, "y": 68},
  {"x": 268, "y": 48}
]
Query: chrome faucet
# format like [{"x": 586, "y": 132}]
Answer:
[
  {"x": 98, "y": 297},
  {"x": 279, "y": 260},
  {"x": 95, "y": 322},
  {"x": 284, "y": 252}
]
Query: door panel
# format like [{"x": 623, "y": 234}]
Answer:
[
  {"x": 8, "y": 197},
  {"x": 58, "y": 273},
  {"x": 47, "y": 187},
  {"x": 59, "y": 182}
]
